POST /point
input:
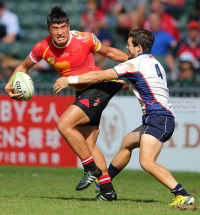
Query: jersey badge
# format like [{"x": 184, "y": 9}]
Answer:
[
  {"x": 77, "y": 51},
  {"x": 51, "y": 60}
]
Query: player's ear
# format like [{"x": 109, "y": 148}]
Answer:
[{"x": 140, "y": 48}]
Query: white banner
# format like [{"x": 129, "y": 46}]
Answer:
[{"x": 181, "y": 152}]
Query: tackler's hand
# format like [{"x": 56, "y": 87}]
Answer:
[{"x": 125, "y": 84}]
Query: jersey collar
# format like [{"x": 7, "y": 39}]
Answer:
[
  {"x": 70, "y": 38},
  {"x": 142, "y": 54}
]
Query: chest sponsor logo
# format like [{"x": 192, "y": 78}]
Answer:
[{"x": 64, "y": 55}]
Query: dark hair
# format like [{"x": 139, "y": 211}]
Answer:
[
  {"x": 57, "y": 16},
  {"x": 1, "y": 4},
  {"x": 142, "y": 37}
]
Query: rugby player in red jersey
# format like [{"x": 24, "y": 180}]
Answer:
[{"x": 70, "y": 53}]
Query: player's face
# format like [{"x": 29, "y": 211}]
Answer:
[
  {"x": 132, "y": 50},
  {"x": 60, "y": 33}
]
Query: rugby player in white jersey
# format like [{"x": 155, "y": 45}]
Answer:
[{"x": 148, "y": 82}]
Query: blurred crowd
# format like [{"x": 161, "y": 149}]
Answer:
[{"x": 178, "y": 50}]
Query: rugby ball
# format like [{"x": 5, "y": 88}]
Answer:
[{"x": 23, "y": 84}]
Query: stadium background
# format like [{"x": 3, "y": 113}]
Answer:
[{"x": 31, "y": 138}]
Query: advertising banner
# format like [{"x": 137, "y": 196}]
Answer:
[{"x": 28, "y": 133}]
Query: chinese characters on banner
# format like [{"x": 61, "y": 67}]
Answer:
[{"x": 28, "y": 133}]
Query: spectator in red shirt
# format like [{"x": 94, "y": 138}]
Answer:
[
  {"x": 190, "y": 44},
  {"x": 92, "y": 9},
  {"x": 107, "y": 5},
  {"x": 168, "y": 23}
]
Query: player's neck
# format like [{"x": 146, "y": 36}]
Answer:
[
  {"x": 140, "y": 53},
  {"x": 60, "y": 46}
]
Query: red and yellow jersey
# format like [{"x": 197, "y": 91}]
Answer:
[{"x": 74, "y": 59}]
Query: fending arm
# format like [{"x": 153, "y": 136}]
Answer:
[
  {"x": 88, "y": 78},
  {"x": 96, "y": 76},
  {"x": 113, "y": 53}
]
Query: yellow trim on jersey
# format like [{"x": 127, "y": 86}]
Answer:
[
  {"x": 43, "y": 56},
  {"x": 111, "y": 80}
]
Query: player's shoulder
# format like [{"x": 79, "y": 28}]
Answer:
[
  {"x": 138, "y": 60},
  {"x": 88, "y": 39},
  {"x": 146, "y": 60},
  {"x": 83, "y": 36},
  {"x": 144, "y": 57},
  {"x": 44, "y": 43},
  {"x": 128, "y": 66},
  {"x": 156, "y": 63}
]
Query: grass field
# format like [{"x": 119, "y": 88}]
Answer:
[{"x": 42, "y": 191}]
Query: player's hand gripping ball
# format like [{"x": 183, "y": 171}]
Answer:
[{"x": 23, "y": 84}]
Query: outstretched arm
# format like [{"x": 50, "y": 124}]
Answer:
[
  {"x": 94, "y": 77},
  {"x": 88, "y": 78},
  {"x": 113, "y": 53}
]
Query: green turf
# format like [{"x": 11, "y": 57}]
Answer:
[{"x": 42, "y": 191}]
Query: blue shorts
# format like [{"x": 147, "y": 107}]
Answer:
[{"x": 160, "y": 127}]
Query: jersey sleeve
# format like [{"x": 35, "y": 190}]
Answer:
[
  {"x": 126, "y": 70},
  {"x": 36, "y": 53},
  {"x": 94, "y": 43},
  {"x": 119, "y": 69},
  {"x": 89, "y": 39}
]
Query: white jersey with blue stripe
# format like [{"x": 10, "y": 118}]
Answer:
[{"x": 148, "y": 81}]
